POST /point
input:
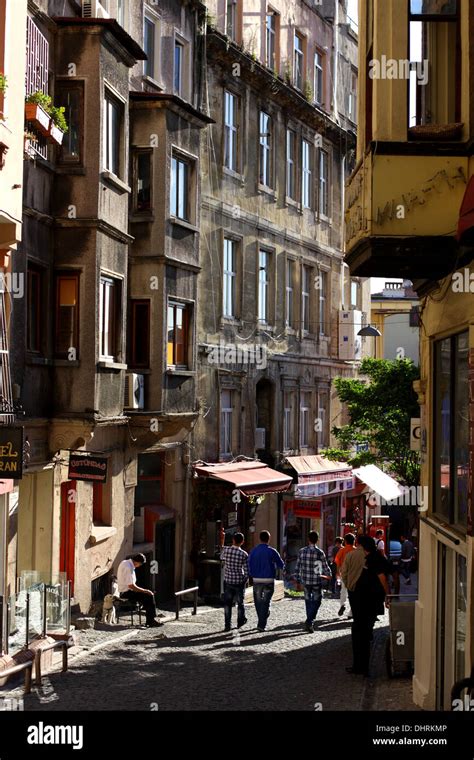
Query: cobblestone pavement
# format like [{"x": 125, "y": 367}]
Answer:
[{"x": 191, "y": 664}]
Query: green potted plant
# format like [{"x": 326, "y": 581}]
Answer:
[
  {"x": 37, "y": 111},
  {"x": 3, "y": 83},
  {"x": 58, "y": 126}
]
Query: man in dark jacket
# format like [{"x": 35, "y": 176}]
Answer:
[
  {"x": 367, "y": 598},
  {"x": 264, "y": 562}
]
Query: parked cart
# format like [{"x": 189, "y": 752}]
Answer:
[{"x": 401, "y": 641}]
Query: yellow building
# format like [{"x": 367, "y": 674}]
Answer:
[
  {"x": 404, "y": 220},
  {"x": 395, "y": 313}
]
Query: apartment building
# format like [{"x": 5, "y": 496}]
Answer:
[
  {"x": 272, "y": 285},
  {"x": 409, "y": 214}
]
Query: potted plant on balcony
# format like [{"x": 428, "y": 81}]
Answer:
[
  {"x": 3, "y": 83},
  {"x": 37, "y": 111},
  {"x": 58, "y": 126}
]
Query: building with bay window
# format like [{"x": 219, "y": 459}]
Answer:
[{"x": 409, "y": 208}]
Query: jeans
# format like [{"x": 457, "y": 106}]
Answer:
[
  {"x": 333, "y": 581},
  {"x": 405, "y": 568},
  {"x": 362, "y": 634},
  {"x": 343, "y": 597},
  {"x": 262, "y": 596},
  {"x": 147, "y": 601},
  {"x": 234, "y": 592},
  {"x": 312, "y": 600}
]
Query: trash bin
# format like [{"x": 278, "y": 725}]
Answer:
[{"x": 401, "y": 641}]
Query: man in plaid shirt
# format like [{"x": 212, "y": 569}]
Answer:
[
  {"x": 236, "y": 573},
  {"x": 311, "y": 568}
]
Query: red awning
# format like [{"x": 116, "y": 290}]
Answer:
[
  {"x": 315, "y": 468},
  {"x": 466, "y": 213},
  {"x": 251, "y": 478}
]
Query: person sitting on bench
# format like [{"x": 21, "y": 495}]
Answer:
[{"x": 128, "y": 589}]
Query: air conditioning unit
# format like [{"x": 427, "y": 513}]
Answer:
[
  {"x": 259, "y": 438},
  {"x": 350, "y": 322},
  {"x": 134, "y": 391},
  {"x": 93, "y": 9}
]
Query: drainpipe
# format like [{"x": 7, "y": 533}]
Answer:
[
  {"x": 187, "y": 506},
  {"x": 336, "y": 62}
]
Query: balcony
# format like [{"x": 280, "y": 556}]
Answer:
[{"x": 402, "y": 213}]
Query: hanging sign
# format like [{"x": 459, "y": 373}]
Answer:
[
  {"x": 11, "y": 453},
  {"x": 87, "y": 467}
]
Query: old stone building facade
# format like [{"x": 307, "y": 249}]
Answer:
[
  {"x": 272, "y": 284},
  {"x": 192, "y": 211}
]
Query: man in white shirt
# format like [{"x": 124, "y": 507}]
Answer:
[
  {"x": 128, "y": 589},
  {"x": 380, "y": 543}
]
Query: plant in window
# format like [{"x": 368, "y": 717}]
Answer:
[
  {"x": 48, "y": 119},
  {"x": 3, "y": 83},
  {"x": 57, "y": 115},
  {"x": 308, "y": 91}
]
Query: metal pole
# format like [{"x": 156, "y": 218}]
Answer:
[
  {"x": 68, "y": 612},
  {"x": 44, "y": 610},
  {"x": 27, "y": 641},
  {"x": 7, "y": 627},
  {"x": 195, "y": 603}
]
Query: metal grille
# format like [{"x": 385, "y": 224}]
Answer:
[
  {"x": 37, "y": 60},
  {"x": 37, "y": 64},
  {"x": 6, "y": 400}
]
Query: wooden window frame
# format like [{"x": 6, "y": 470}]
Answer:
[
  {"x": 63, "y": 86},
  {"x": 58, "y": 277},
  {"x": 187, "y": 326},
  {"x": 116, "y": 284}
]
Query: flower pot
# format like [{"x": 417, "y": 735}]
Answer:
[
  {"x": 55, "y": 134},
  {"x": 38, "y": 117}
]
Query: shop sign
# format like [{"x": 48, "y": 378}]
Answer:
[
  {"x": 324, "y": 477},
  {"x": 323, "y": 489},
  {"x": 306, "y": 508},
  {"x": 88, "y": 468},
  {"x": 11, "y": 453}
]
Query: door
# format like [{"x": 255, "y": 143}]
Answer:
[
  {"x": 165, "y": 556},
  {"x": 68, "y": 530}
]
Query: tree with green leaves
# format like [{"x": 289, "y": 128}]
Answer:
[{"x": 380, "y": 404}]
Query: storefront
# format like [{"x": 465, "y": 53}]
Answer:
[
  {"x": 316, "y": 502},
  {"x": 231, "y": 497}
]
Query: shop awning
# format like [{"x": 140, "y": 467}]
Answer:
[
  {"x": 379, "y": 481},
  {"x": 251, "y": 478},
  {"x": 465, "y": 231},
  {"x": 318, "y": 469}
]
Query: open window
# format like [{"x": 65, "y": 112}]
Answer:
[{"x": 435, "y": 73}]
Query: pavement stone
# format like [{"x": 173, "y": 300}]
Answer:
[{"x": 191, "y": 664}]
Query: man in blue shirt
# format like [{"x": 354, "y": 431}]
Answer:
[{"x": 264, "y": 562}]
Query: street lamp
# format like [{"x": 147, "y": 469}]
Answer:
[{"x": 370, "y": 332}]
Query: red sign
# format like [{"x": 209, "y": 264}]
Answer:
[{"x": 305, "y": 508}]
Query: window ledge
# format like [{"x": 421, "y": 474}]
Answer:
[
  {"x": 65, "y": 169},
  {"x": 178, "y": 371},
  {"x": 103, "y": 364},
  {"x": 154, "y": 82},
  {"x": 264, "y": 327},
  {"x": 291, "y": 202},
  {"x": 233, "y": 174},
  {"x": 40, "y": 361},
  {"x": 183, "y": 223},
  {"x": 66, "y": 363},
  {"x": 290, "y": 330},
  {"x": 264, "y": 190},
  {"x": 139, "y": 370},
  {"x": 136, "y": 218},
  {"x": 111, "y": 179},
  {"x": 325, "y": 219},
  {"x": 101, "y": 533},
  {"x": 231, "y": 321}
]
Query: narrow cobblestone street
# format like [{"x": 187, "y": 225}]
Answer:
[{"x": 196, "y": 666}]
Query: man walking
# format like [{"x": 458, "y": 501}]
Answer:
[
  {"x": 128, "y": 589},
  {"x": 333, "y": 552},
  {"x": 408, "y": 552},
  {"x": 235, "y": 579},
  {"x": 311, "y": 568},
  {"x": 365, "y": 574},
  {"x": 348, "y": 547},
  {"x": 264, "y": 562}
]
